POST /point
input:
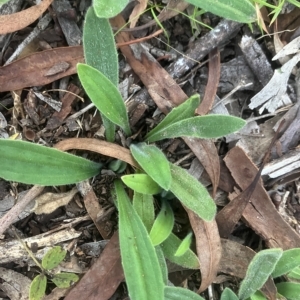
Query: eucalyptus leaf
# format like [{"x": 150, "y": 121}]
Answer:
[
  {"x": 228, "y": 294},
  {"x": 64, "y": 280},
  {"x": 258, "y": 272},
  {"x": 53, "y": 257},
  {"x": 107, "y": 9},
  {"x": 290, "y": 290},
  {"x": 104, "y": 95},
  {"x": 178, "y": 293},
  {"x": 184, "y": 245},
  {"x": 289, "y": 260},
  {"x": 141, "y": 183},
  {"x": 205, "y": 127},
  {"x": 38, "y": 287},
  {"x": 153, "y": 162},
  {"x": 140, "y": 263},
  {"x": 181, "y": 112},
  {"x": 144, "y": 206},
  {"x": 241, "y": 11},
  {"x": 163, "y": 224},
  {"x": 192, "y": 193},
  {"x": 35, "y": 164},
  {"x": 188, "y": 260}
]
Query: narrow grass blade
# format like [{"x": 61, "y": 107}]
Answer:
[
  {"x": 35, "y": 164},
  {"x": 205, "y": 127},
  {"x": 153, "y": 162},
  {"x": 188, "y": 260},
  {"x": 258, "y": 272},
  {"x": 142, "y": 183},
  {"x": 289, "y": 260},
  {"x": 104, "y": 95},
  {"x": 178, "y": 293},
  {"x": 163, "y": 224},
  {"x": 241, "y": 11},
  {"x": 140, "y": 263},
  {"x": 144, "y": 206},
  {"x": 192, "y": 193},
  {"x": 181, "y": 112}
]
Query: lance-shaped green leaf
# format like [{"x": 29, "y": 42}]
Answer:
[
  {"x": 188, "y": 260},
  {"x": 184, "y": 245},
  {"x": 181, "y": 112},
  {"x": 35, "y": 164},
  {"x": 38, "y": 287},
  {"x": 107, "y": 9},
  {"x": 153, "y": 162},
  {"x": 205, "y": 127},
  {"x": 290, "y": 290},
  {"x": 241, "y": 11},
  {"x": 53, "y": 257},
  {"x": 178, "y": 293},
  {"x": 64, "y": 280},
  {"x": 289, "y": 260},
  {"x": 258, "y": 295},
  {"x": 228, "y": 294},
  {"x": 192, "y": 193},
  {"x": 100, "y": 52},
  {"x": 162, "y": 263},
  {"x": 142, "y": 183},
  {"x": 144, "y": 206},
  {"x": 258, "y": 272},
  {"x": 163, "y": 224},
  {"x": 140, "y": 263},
  {"x": 294, "y": 274},
  {"x": 104, "y": 95}
]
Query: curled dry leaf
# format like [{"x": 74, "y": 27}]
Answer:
[
  {"x": 137, "y": 11},
  {"x": 49, "y": 202},
  {"x": 20, "y": 20}
]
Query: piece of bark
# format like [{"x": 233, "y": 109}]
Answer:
[
  {"x": 256, "y": 59},
  {"x": 260, "y": 213}
]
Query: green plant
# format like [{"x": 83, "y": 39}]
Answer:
[
  {"x": 152, "y": 240},
  {"x": 62, "y": 280}
]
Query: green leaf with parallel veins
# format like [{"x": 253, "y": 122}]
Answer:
[
  {"x": 141, "y": 183},
  {"x": 205, "y": 127},
  {"x": 191, "y": 193},
  {"x": 181, "y": 112},
  {"x": 178, "y": 293},
  {"x": 140, "y": 263},
  {"x": 163, "y": 224},
  {"x": 294, "y": 274},
  {"x": 289, "y": 260},
  {"x": 107, "y": 9},
  {"x": 38, "y": 287},
  {"x": 144, "y": 206},
  {"x": 290, "y": 290},
  {"x": 162, "y": 263},
  {"x": 228, "y": 294},
  {"x": 104, "y": 95},
  {"x": 64, "y": 280},
  {"x": 241, "y": 11},
  {"x": 258, "y": 272},
  {"x": 53, "y": 257},
  {"x": 153, "y": 162},
  {"x": 35, "y": 164},
  {"x": 188, "y": 260},
  {"x": 184, "y": 245}
]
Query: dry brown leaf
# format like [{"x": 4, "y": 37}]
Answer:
[
  {"x": 30, "y": 70},
  {"x": 137, "y": 11},
  {"x": 49, "y": 202},
  {"x": 20, "y": 20},
  {"x": 260, "y": 213},
  {"x": 208, "y": 245},
  {"x": 101, "y": 147},
  {"x": 104, "y": 276},
  {"x": 214, "y": 70}
]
